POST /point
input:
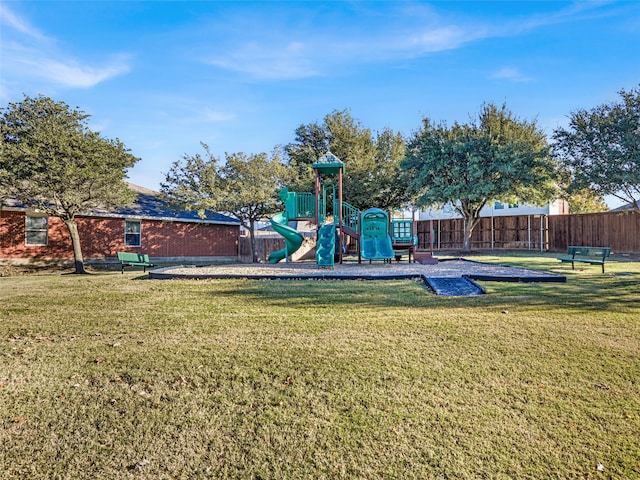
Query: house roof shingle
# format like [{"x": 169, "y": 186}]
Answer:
[
  {"x": 149, "y": 205},
  {"x": 625, "y": 207}
]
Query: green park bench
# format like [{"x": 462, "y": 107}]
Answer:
[
  {"x": 128, "y": 259},
  {"x": 591, "y": 255}
]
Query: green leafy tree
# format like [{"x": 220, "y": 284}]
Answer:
[
  {"x": 585, "y": 200},
  {"x": 372, "y": 174},
  {"x": 192, "y": 183},
  {"x": 245, "y": 186},
  {"x": 249, "y": 186},
  {"x": 51, "y": 161},
  {"x": 601, "y": 147},
  {"x": 311, "y": 142},
  {"x": 388, "y": 183},
  {"x": 496, "y": 157}
]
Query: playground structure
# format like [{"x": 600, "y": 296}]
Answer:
[{"x": 377, "y": 237}]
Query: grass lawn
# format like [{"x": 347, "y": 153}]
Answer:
[{"x": 109, "y": 376}]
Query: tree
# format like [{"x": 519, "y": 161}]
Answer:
[
  {"x": 601, "y": 147},
  {"x": 389, "y": 185},
  {"x": 372, "y": 174},
  {"x": 496, "y": 157},
  {"x": 585, "y": 200},
  {"x": 245, "y": 186},
  {"x": 192, "y": 183},
  {"x": 52, "y": 161},
  {"x": 249, "y": 184}
]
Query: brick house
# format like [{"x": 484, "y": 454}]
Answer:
[{"x": 147, "y": 226}]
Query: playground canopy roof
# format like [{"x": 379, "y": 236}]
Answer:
[{"x": 328, "y": 163}]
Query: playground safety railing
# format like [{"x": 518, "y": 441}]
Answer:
[
  {"x": 306, "y": 205},
  {"x": 350, "y": 216}
]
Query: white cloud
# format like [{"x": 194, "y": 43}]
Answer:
[
  {"x": 329, "y": 49},
  {"x": 441, "y": 38},
  {"x": 326, "y": 49},
  {"x": 28, "y": 54},
  {"x": 185, "y": 110},
  {"x": 83, "y": 76},
  {"x": 210, "y": 115},
  {"x": 510, "y": 74},
  {"x": 406, "y": 31},
  {"x": 8, "y": 18},
  {"x": 289, "y": 61}
]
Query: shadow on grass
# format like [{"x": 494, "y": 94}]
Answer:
[
  {"x": 590, "y": 294},
  {"x": 337, "y": 293},
  {"x": 344, "y": 294},
  {"x": 608, "y": 294}
]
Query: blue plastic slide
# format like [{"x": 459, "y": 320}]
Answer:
[{"x": 292, "y": 238}]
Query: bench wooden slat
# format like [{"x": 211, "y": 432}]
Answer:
[
  {"x": 130, "y": 259},
  {"x": 578, "y": 254}
]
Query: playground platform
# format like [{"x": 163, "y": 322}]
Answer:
[{"x": 449, "y": 277}]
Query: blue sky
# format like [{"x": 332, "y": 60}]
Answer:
[{"x": 241, "y": 76}]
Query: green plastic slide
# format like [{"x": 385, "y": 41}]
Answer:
[
  {"x": 377, "y": 248},
  {"x": 325, "y": 248},
  {"x": 374, "y": 237},
  {"x": 292, "y": 238}
]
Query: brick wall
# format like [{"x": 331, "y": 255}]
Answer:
[
  {"x": 104, "y": 237},
  {"x": 12, "y": 238}
]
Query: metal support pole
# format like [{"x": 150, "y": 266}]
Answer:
[
  {"x": 492, "y": 231},
  {"x": 317, "y": 199},
  {"x": 340, "y": 219}
]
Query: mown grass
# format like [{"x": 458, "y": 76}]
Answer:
[{"x": 109, "y": 376}]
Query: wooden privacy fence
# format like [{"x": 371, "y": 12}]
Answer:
[
  {"x": 618, "y": 230},
  {"x": 264, "y": 246},
  {"x": 527, "y": 232}
]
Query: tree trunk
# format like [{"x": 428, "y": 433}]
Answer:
[
  {"x": 469, "y": 225},
  {"x": 72, "y": 226},
  {"x": 466, "y": 240},
  {"x": 254, "y": 247}
]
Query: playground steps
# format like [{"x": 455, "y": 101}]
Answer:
[
  {"x": 424, "y": 258},
  {"x": 454, "y": 286},
  {"x": 326, "y": 245}
]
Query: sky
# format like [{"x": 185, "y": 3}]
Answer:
[{"x": 165, "y": 76}]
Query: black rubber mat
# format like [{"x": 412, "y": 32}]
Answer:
[{"x": 454, "y": 286}]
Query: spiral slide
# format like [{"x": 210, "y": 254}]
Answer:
[{"x": 292, "y": 238}]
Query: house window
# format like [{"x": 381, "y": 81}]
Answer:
[
  {"x": 132, "y": 233},
  {"x": 37, "y": 227},
  {"x": 498, "y": 206}
]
